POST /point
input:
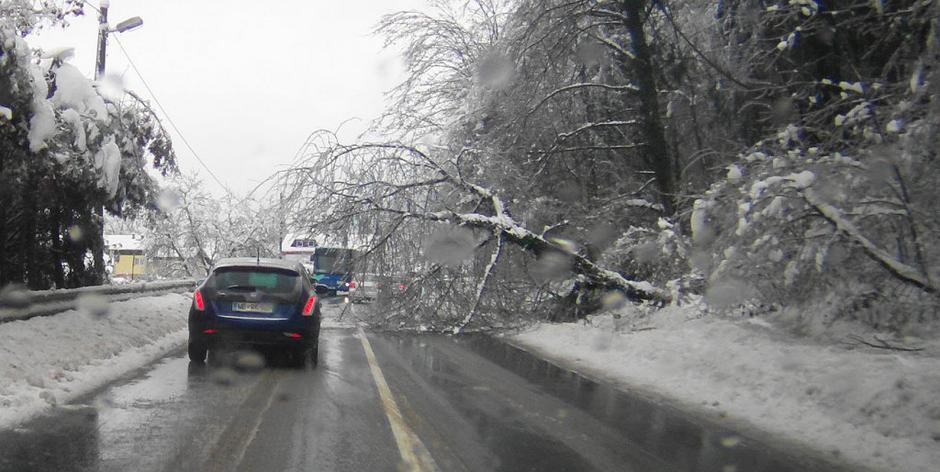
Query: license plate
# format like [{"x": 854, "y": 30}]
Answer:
[{"x": 253, "y": 307}]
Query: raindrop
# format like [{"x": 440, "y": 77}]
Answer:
[
  {"x": 613, "y": 300},
  {"x": 602, "y": 235},
  {"x": 75, "y": 233},
  {"x": 729, "y": 468},
  {"x": 168, "y": 200},
  {"x": 496, "y": 71},
  {"x": 730, "y": 441},
  {"x": 223, "y": 376},
  {"x": 603, "y": 341},
  {"x": 562, "y": 413},
  {"x": 451, "y": 245},
  {"x": 568, "y": 191},
  {"x": 15, "y": 296},
  {"x": 48, "y": 396},
  {"x": 552, "y": 265},
  {"x": 283, "y": 397},
  {"x": 589, "y": 52},
  {"x": 93, "y": 304},
  {"x": 248, "y": 361},
  {"x": 646, "y": 253},
  {"x": 727, "y": 293},
  {"x": 112, "y": 86},
  {"x": 104, "y": 401}
]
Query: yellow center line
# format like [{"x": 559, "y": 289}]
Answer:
[{"x": 413, "y": 453}]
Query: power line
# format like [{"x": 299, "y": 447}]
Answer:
[{"x": 169, "y": 119}]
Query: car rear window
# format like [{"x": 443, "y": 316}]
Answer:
[{"x": 255, "y": 279}]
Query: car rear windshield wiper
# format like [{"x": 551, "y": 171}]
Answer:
[{"x": 241, "y": 287}]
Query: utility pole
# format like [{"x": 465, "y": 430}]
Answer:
[
  {"x": 97, "y": 249},
  {"x": 98, "y": 246},
  {"x": 102, "y": 38}
]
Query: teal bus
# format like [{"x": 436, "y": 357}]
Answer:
[{"x": 334, "y": 267}]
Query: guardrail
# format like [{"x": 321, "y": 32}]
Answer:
[{"x": 23, "y": 305}]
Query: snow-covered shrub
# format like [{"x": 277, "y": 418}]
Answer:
[
  {"x": 848, "y": 236},
  {"x": 660, "y": 256}
]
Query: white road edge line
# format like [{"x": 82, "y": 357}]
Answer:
[
  {"x": 413, "y": 452},
  {"x": 256, "y": 426}
]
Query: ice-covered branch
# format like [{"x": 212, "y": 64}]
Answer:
[
  {"x": 896, "y": 268},
  {"x": 515, "y": 233},
  {"x": 568, "y": 88},
  {"x": 482, "y": 285}
]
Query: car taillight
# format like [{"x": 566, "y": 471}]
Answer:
[
  {"x": 308, "y": 307},
  {"x": 200, "y": 303},
  {"x": 401, "y": 286},
  {"x": 352, "y": 284}
]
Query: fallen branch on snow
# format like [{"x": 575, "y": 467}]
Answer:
[{"x": 882, "y": 344}]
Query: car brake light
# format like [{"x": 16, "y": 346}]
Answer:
[
  {"x": 401, "y": 286},
  {"x": 210, "y": 331},
  {"x": 308, "y": 307},
  {"x": 293, "y": 335},
  {"x": 352, "y": 284},
  {"x": 200, "y": 303}
]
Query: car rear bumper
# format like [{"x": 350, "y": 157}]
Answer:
[
  {"x": 257, "y": 338},
  {"x": 217, "y": 331}
]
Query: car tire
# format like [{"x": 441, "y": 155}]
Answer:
[
  {"x": 296, "y": 358},
  {"x": 197, "y": 351},
  {"x": 314, "y": 355}
]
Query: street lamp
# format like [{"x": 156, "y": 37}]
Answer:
[
  {"x": 104, "y": 29},
  {"x": 133, "y": 22}
]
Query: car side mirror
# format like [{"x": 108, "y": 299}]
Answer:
[{"x": 321, "y": 289}]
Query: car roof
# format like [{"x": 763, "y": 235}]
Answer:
[{"x": 258, "y": 262}]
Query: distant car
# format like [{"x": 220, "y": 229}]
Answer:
[
  {"x": 256, "y": 302},
  {"x": 365, "y": 288}
]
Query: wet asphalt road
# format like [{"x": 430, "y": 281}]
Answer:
[{"x": 428, "y": 402}]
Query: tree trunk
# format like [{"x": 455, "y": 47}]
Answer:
[{"x": 656, "y": 152}]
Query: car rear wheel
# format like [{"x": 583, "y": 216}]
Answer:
[
  {"x": 294, "y": 357},
  {"x": 197, "y": 351},
  {"x": 314, "y": 355}
]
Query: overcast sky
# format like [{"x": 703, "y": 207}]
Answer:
[{"x": 246, "y": 82}]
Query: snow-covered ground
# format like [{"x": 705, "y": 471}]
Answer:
[
  {"x": 54, "y": 359},
  {"x": 874, "y": 407}
]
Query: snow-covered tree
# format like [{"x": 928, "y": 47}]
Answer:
[{"x": 67, "y": 150}]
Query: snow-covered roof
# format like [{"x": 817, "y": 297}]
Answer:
[{"x": 125, "y": 242}]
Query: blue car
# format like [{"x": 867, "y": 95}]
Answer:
[{"x": 268, "y": 303}]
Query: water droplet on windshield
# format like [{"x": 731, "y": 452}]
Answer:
[
  {"x": 496, "y": 71},
  {"x": 168, "y": 200},
  {"x": 589, "y": 52},
  {"x": 75, "y": 233},
  {"x": 727, "y": 294},
  {"x": 730, "y": 441},
  {"x": 248, "y": 361},
  {"x": 223, "y": 376},
  {"x": 93, "y": 304},
  {"x": 552, "y": 265},
  {"x": 451, "y": 245},
  {"x": 613, "y": 300},
  {"x": 15, "y": 296}
]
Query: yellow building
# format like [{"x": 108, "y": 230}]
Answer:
[{"x": 126, "y": 254}]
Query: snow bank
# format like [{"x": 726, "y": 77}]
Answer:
[
  {"x": 55, "y": 359},
  {"x": 878, "y": 408}
]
